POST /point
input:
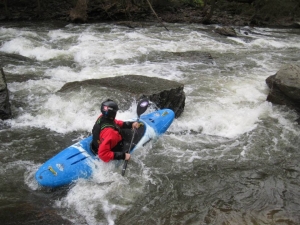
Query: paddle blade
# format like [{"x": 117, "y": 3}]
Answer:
[
  {"x": 142, "y": 106},
  {"x": 124, "y": 167}
]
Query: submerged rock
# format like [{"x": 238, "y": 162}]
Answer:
[
  {"x": 5, "y": 110},
  {"x": 285, "y": 87},
  {"x": 164, "y": 93},
  {"x": 226, "y": 31},
  {"x": 188, "y": 56},
  {"x": 11, "y": 57}
]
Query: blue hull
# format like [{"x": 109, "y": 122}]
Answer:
[{"x": 78, "y": 161}]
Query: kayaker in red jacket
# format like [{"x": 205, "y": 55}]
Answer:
[{"x": 107, "y": 138}]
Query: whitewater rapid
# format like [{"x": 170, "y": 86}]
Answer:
[{"x": 226, "y": 114}]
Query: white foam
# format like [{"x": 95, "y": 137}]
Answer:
[
  {"x": 236, "y": 109},
  {"x": 66, "y": 114},
  {"x": 56, "y": 35},
  {"x": 104, "y": 197},
  {"x": 28, "y": 48},
  {"x": 269, "y": 43},
  {"x": 7, "y": 33}
]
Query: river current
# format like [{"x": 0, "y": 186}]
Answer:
[{"x": 230, "y": 158}]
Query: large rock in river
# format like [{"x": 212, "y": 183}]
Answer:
[
  {"x": 285, "y": 87},
  {"x": 164, "y": 93},
  {"x": 5, "y": 110}
]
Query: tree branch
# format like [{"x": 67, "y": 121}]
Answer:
[{"x": 156, "y": 15}]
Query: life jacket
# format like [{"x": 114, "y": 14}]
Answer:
[{"x": 101, "y": 124}]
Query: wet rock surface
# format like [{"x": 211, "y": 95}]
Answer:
[
  {"x": 285, "y": 87},
  {"x": 5, "y": 110},
  {"x": 164, "y": 93}
]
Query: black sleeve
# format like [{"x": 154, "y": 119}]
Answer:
[
  {"x": 127, "y": 125},
  {"x": 119, "y": 155}
]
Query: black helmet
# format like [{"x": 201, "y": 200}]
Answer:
[{"x": 109, "y": 108}]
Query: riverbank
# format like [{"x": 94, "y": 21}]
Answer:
[
  {"x": 191, "y": 15},
  {"x": 236, "y": 13}
]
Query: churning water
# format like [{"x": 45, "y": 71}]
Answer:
[{"x": 231, "y": 157}]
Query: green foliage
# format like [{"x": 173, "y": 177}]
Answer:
[
  {"x": 199, "y": 2},
  {"x": 195, "y": 3}
]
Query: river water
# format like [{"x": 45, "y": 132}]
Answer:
[{"x": 230, "y": 158}]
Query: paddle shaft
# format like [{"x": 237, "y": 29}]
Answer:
[
  {"x": 126, "y": 161},
  {"x": 141, "y": 108}
]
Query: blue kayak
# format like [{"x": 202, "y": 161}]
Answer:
[{"x": 78, "y": 160}]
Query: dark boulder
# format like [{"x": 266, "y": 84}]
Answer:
[
  {"x": 285, "y": 87},
  {"x": 5, "y": 110},
  {"x": 164, "y": 93}
]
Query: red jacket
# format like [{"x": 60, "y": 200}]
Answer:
[{"x": 109, "y": 138}]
